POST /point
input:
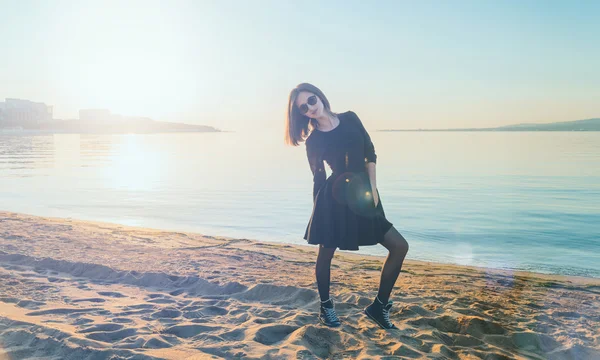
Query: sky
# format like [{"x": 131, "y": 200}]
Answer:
[{"x": 231, "y": 64}]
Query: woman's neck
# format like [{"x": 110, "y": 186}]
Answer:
[{"x": 327, "y": 121}]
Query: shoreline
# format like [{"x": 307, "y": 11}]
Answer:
[
  {"x": 504, "y": 271},
  {"x": 100, "y": 289}
]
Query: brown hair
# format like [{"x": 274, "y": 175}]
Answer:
[{"x": 296, "y": 125}]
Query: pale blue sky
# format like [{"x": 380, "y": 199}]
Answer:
[{"x": 231, "y": 64}]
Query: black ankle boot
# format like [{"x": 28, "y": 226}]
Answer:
[
  {"x": 380, "y": 313},
  {"x": 328, "y": 316}
]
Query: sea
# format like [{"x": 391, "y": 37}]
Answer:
[{"x": 510, "y": 200}]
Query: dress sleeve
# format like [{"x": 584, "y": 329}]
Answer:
[
  {"x": 370, "y": 155},
  {"x": 315, "y": 160}
]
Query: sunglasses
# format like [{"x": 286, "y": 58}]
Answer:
[{"x": 312, "y": 100}]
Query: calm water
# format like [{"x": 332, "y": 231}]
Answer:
[{"x": 517, "y": 200}]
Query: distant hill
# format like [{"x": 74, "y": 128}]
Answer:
[{"x": 576, "y": 125}]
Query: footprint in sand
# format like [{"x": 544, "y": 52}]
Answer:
[
  {"x": 130, "y": 343},
  {"x": 111, "y": 294},
  {"x": 82, "y": 321},
  {"x": 93, "y": 300},
  {"x": 155, "y": 295},
  {"x": 466, "y": 341},
  {"x": 162, "y": 301},
  {"x": 469, "y": 312},
  {"x": 407, "y": 352},
  {"x": 200, "y": 321},
  {"x": 122, "y": 320},
  {"x": 194, "y": 314},
  {"x": 234, "y": 335},
  {"x": 156, "y": 343},
  {"x": 30, "y": 304},
  {"x": 132, "y": 312},
  {"x": 411, "y": 310},
  {"x": 169, "y": 313},
  {"x": 63, "y": 311},
  {"x": 139, "y": 309},
  {"x": 319, "y": 340},
  {"x": 214, "y": 311},
  {"x": 268, "y": 335},
  {"x": 111, "y": 336},
  {"x": 159, "y": 299},
  {"x": 271, "y": 314},
  {"x": 177, "y": 292},
  {"x": 140, "y": 306},
  {"x": 188, "y": 331},
  {"x": 101, "y": 327},
  {"x": 10, "y": 300},
  {"x": 534, "y": 342}
]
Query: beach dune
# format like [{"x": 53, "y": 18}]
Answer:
[{"x": 73, "y": 289}]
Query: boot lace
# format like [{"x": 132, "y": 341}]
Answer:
[
  {"x": 386, "y": 314},
  {"x": 330, "y": 315}
]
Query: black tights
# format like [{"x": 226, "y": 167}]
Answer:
[
  {"x": 323, "y": 271},
  {"x": 397, "y": 247}
]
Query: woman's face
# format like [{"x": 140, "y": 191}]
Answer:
[{"x": 309, "y": 104}]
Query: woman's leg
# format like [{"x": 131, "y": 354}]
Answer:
[
  {"x": 398, "y": 247},
  {"x": 323, "y": 271}
]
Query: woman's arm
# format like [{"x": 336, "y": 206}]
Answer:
[
  {"x": 371, "y": 170},
  {"x": 371, "y": 166},
  {"x": 316, "y": 166},
  {"x": 370, "y": 159}
]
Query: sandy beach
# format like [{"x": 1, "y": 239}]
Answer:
[{"x": 73, "y": 289}]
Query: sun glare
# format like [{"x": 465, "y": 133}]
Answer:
[{"x": 135, "y": 165}]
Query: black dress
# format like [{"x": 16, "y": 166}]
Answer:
[{"x": 344, "y": 214}]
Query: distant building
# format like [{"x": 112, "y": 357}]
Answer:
[
  {"x": 25, "y": 113},
  {"x": 94, "y": 115}
]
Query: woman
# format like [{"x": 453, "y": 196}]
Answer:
[{"x": 347, "y": 212}]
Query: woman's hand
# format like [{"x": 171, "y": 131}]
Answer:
[
  {"x": 370, "y": 166},
  {"x": 375, "y": 196}
]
